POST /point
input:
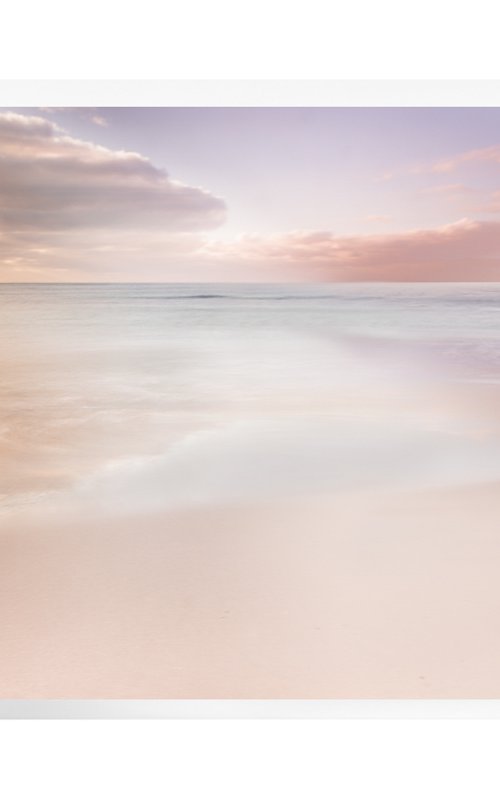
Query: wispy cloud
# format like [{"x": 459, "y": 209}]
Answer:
[
  {"x": 98, "y": 119},
  {"x": 480, "y": 156},
  {"x": 87, "y": 113},
  {"x": 492, "y": 206},
  {"x": 447, "y": 164},
  {"x": 447, "y": 190},
  {"x": 384, "y": 218}
]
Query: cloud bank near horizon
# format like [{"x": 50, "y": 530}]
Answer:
[{"x": 466, "y": 250}]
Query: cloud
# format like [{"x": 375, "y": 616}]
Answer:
[
  {"x": 51, "y": 181},
  {"x": 54, "y": 187},
  {"x": 87, "y": 113},
  {"x": 482, "y": 155},
  {"x": 378, "y": 218},
  {"x": 97, "y": 255},
  {"x": 98, "y": 119},
  {"x": 447, "y": 190},
  {"x": 493, "y": 206},
  {"x": 466, "y": 250}
]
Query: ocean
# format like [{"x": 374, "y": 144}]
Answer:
[{"x": 147, "y": 396}]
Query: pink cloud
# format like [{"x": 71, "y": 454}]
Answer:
[
  {"x": 482, "y": 155},
  {"x": 378, "y": 218},
  {"x": 493, "y": 206},
  {"x": 463, "y": 251},
  {"x": 447, "y": 190}
]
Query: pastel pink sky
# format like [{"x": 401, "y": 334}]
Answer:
[{"x": 249, "y": 194}]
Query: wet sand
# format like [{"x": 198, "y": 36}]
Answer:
[{"x": 365, "y": 596}]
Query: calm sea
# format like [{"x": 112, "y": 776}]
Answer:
[{"x": 145, "y": 395}]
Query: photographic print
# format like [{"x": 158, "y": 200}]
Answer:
[{"x": 249, "y": 403}]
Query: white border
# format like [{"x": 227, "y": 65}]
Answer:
[
  {"x": 250, "y": 93},
  {"x": 249, "y": 709}
]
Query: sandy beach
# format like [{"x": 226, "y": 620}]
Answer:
[{"x": 378, "y": 596}]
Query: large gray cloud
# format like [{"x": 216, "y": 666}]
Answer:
[{"x": 52, "y": 184}]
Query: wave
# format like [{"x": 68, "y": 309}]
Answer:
[{"x": 241, "y": 297}]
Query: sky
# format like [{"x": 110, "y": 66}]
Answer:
[{"x": 249, "y": 194}]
